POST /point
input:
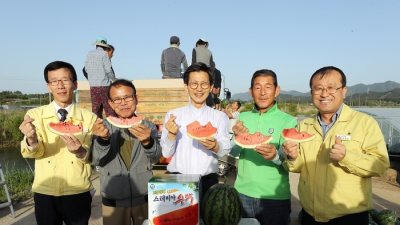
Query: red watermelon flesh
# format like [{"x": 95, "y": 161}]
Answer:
[
  {"x": 124, "y": 122},
  {"x": 197, "y": 131},
  {"x": 293, "y": 135},
  {"x": 247, "y": 140},
  {"x": 62, "y": 128}
]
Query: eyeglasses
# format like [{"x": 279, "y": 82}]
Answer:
[
  {"x": 203, "y": 85},
  {"x": 330, "y": 90},
  {"x": 126, "y": 99},
  {"x": 65, "y": 81}
]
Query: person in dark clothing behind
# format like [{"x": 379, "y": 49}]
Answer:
[
  {"x": 201, "y": 53},
  {"x": 217, "y": 88}
]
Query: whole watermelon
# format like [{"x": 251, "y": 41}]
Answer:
[
  {"x": 221, "y": 205},
  {"x": 374, "y": 214},
  {"x": 387, "y": 217},
  {"x": 224, "y": 103}
]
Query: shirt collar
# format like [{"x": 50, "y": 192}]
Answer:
[
  {"x": 174, "y": 46},
  {"x": 269, "y": 111},
  {"x": 334, "y": 117},
  {"x": 68, "y": 108}
]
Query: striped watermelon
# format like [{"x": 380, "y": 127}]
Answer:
[
  {"x": 387, "y": 217},
  {"x": 221, "y": 205}
]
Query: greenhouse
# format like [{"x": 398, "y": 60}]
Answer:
[{"x": 389, "y": 122}]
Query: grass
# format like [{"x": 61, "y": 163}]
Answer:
[{"x": 19, "y": 183}]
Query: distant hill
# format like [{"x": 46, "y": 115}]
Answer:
[{"x": 376, "y": 88}]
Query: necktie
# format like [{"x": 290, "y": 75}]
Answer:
[{"x": 63, "y": 114}]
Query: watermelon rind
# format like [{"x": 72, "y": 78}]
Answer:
[
  {"x": 62, "y": 133},
  {"x": 387, "y": 217},
  {"x": 254, "y": 145},
  {"x": 200, "y": 138},
  {"x": 111, "y": 119},
  {"x": 298, "y": 140},
  {"x": 221, "y": 205}
]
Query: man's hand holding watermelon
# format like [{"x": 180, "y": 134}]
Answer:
[
  {"x": 141, "y": 132},
  {"x": 100, "y": 130},
  {"x": 74, "y": 146},
  {"x": 290, "y": 149},
  {"x": 210, "y": 143}
]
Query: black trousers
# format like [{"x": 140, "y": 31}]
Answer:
[
  {"x": 351, "y": 219},
  {"x": 71, "y": 209},
  {"x": 207, "y": 182}
]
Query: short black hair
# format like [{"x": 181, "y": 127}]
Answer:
[
  {"x": 59, "y": 65},
  {"x": 197, "y": 67},
  {"x": 122, "y": 82},
  {"x": 264, "y": 72},
  {"x": 238, "y": 103},
  {"x": 112, "y": 47},
  {"x": 327, "y": 70}
]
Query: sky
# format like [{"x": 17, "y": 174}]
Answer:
[{"x": 292, "y": 38}]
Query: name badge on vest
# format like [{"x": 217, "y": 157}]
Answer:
[{"x": 344, "y": 137}]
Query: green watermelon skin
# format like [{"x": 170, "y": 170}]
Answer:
[
  {"x": 374, "y": 214},
  {"x": 224, "y": 103},
  {"x": 221, "y": 205},
  {"x": 387, "y": 217}
]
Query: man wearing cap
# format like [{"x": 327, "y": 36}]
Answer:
[
  {"x": 202, "y": 54},
  {"x": 171, "y": 60},
  {"x": 100, "y": 76}
]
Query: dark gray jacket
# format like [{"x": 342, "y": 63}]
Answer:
[{"x": 127, "y": 188}]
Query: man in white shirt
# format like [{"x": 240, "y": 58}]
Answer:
[{"x": 190, "y": 156}]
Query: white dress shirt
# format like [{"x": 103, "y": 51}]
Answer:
[{"x": 189, "y": 156}]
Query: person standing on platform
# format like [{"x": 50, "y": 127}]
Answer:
[
  {"x": 100, "y": 76},
  {"x": 171, "y": 60}
]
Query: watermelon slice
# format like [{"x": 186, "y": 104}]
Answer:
[
  {"x": 293, "y": 135},
  {"x": 62, "y": 128},
  {"x": 197, "y": 131},
  {"x": 247, "y": 140},
  {"x": 124, "y": 122}
]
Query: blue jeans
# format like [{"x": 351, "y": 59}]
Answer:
[{"x": 266, "y": 211}]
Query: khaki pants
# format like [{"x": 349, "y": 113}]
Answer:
[{"x": 124, "y": 215}]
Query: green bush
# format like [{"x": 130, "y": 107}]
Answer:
[
  {"x": 9, "y": 126},
  {"x": 18, "y": 181}
]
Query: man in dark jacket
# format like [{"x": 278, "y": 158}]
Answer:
[{"x": 124, "y": 157}]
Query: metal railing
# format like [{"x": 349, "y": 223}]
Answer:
[{"x": 4, "y": 184}]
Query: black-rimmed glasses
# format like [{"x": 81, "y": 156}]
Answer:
[
  {"x": 126, "y": 99},
  {"x": 65, "y": 81},
  {"x": 330, "y": 90}
]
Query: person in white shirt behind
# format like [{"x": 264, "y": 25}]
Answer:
[
  {"x": 232, "y": 114},
  {"x": 190, "y": 156}
]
